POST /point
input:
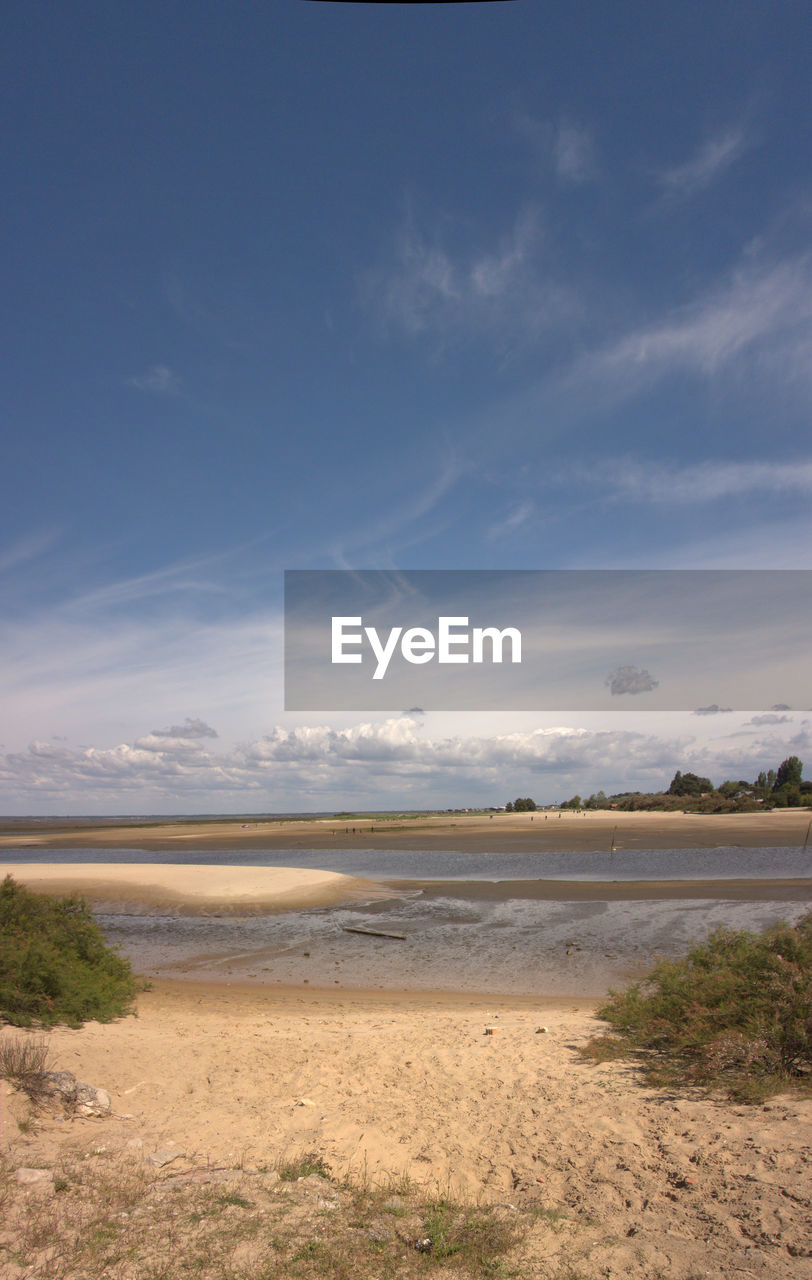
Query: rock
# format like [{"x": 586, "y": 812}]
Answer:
[
  {"x": 91, "y": 1101},
  {"x": 164, "y": 1156},
  {"x": 62, "y": 1082},
  {"x": 541, "y": 1030},
  {"x": 33, "y": 1177},
  {"x": 423, "y": 1246},
  {"x": 85, "y": 1098}
]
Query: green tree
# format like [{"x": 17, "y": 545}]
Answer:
[
  {"x": 689, "y": 784},
  {"x": 789, "y": 773}
]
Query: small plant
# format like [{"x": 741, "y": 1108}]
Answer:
[
  {"x": 474, "y": 1237},
  {"x": 736, "y": 1011},
  {"x": 22, "y": 1062},
  {"x": 231, "y": 1197},
  {"x": 304, "y": 1167}
]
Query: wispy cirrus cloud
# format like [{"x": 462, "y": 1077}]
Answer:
[
  {"x": 521, "y": 514},
  {"x": 763, "y": 309},
  {"x": 628, "y": 480},
  {"x": 711, "y": 160},
  {"x": 451, "y": 295},
  {"x": 565, "y": 146},
  {"x": 573, "y": 151},
  {"x": 159, "y": 379}
]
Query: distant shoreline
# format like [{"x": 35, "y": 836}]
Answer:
[{"x": 563, "y": 831}]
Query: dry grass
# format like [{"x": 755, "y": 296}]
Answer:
[
  {"x": 109, "y": 1218},
  {"x": 23, "y": 1062}
]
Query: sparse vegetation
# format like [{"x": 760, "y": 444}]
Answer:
[
  {"x": 114, "y": 1217},
  {"x": 23, "y": 1063},
  {"x": 736, "y": 1013},
  {"x": 55, "y": 965},
  {"x": 303, "y": 1167}
]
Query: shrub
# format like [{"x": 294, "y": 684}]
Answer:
[
  {"x": 736, "y": 1010},
  {"x": 55, "y": 965}
]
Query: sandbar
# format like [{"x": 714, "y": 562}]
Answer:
[
  {"x": 566, "y": 830},
  {"x": 195, "y": 889}
]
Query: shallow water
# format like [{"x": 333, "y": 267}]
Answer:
[
  {"x": 539, "y": 948},
  {"x": 725, "y": 861},
  {"x": 510, "y": 946}
]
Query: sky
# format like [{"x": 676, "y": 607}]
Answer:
[{"x": 358, "y": 286}]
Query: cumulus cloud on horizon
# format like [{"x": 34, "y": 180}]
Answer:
[{"x": 317, "y": 767}]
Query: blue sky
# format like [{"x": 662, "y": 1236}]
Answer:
[{"x": 321, "y": 285}]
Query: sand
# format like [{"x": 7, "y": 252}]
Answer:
[
  {"x": 192, "y": 889},
  {"x": 641, "y": 1182},
  {"x": 503, "y": 833},
  {"x": 636, "y": 1182}
]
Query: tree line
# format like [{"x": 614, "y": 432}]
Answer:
[{"x": 779, "y": 788}]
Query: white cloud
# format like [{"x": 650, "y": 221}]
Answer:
[
  {"x": 159, "y": 378},
  {"x": 384, "y": 763},
  {"x": 761, "y": 306},
  {"x": 451, "y": 296},
  {"x": 573, "y": 152},
  {"x": 708, "y": 163},
  {"x": 27, "y": 548},
  {"x": 655, "y": 482},
  {"x": 516, "y": 519},
  {"x": 565, "y": 145}
]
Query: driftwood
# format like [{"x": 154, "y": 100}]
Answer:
[{"x": 374, "y": 933}]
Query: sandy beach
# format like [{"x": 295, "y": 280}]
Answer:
[
  {"x": 503, "y": 833},
  {"x": 483, "y": 1095},
  {"x": 623, "y": 1181}
]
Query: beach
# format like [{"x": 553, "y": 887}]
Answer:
[
  {"x": 389, "y": 1088},
  {"x": 444, "y": 1059}
]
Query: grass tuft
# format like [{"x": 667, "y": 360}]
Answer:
[{"x": 304, "y": 1166}]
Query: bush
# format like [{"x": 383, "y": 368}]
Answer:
[
  {"x": 737, "y": 1010},
  {"x": 55, "y": 965}
]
